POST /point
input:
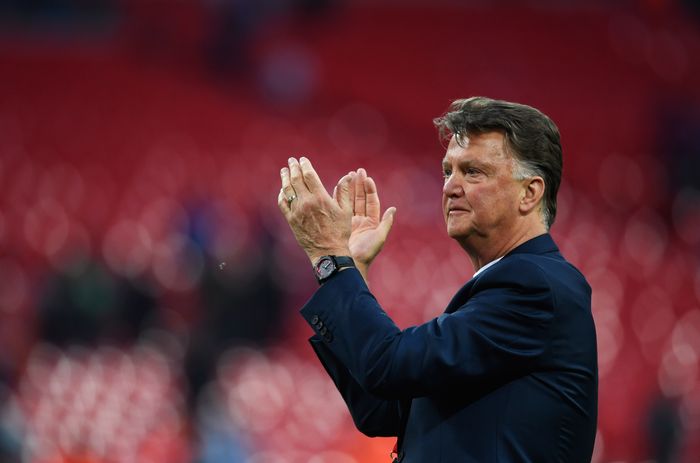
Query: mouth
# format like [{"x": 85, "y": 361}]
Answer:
[{"x": 456, "y": 210}]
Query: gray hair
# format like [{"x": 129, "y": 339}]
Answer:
[{"x": 531, "y": 138}]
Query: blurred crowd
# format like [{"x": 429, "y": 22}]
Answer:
[{"x": 149, "y": 288}]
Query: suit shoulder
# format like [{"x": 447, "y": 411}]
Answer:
[
  {"x": 534, "y": 271},
  {"x": 515, "y": 270}
]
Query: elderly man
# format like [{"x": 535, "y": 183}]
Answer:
[{"x": 508, "y": 373}]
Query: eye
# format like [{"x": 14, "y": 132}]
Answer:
[
  {"x": 446, "y": 173},
  {"x": 472, "y": 172}
]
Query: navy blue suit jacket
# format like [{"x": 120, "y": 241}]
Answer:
[{"x": 508, "y": 373}]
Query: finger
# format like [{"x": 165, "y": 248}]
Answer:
[
  {"x": 295, "y": 177},
  {"x": 345, "y": 192},
  {"x": 351, "y": 185},
  {"x": 287, "y": 189},
  {"x": 283, "y": 204},
  {"x": 360, "y": 195},
  {"x": 310, "y": 177},
  {"x": 335, "y": 188},
  {"x": 386, "y": 223},
  {"x": 373, "y": 206}
]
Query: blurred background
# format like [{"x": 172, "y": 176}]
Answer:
[{"x": 149, "y": 288}]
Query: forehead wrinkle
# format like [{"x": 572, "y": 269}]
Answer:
[{"x": 494, "y": 150}]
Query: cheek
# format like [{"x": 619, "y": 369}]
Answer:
[
  {"x": 487, "y": 200},
  {"x": 478, "y": 196}
]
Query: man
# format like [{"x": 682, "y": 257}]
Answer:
[{"x": 508, "y": 373}]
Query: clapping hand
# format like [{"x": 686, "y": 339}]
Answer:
[
  {"x": 346, "y": 224},
  {"x": 368, "y": 231},
  {"x": 321, "y": 224}
]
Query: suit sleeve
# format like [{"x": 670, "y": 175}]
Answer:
[
  {"x": 373, "y": 416},
  {"x": 499, "y": 334}
]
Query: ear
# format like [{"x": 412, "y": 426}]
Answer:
[{"x": 532, "y": 192}]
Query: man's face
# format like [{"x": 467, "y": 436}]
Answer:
[{"x": 480, "y": 197}]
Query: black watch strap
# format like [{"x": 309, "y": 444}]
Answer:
[
  {"x": 327, "y": 266},
  {"x": 344, "y": 261}
]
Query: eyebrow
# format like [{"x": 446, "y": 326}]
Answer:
[{"x": 481, "y": 164}]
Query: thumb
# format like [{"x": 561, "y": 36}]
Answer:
[
  {"x": 387, "y": 221},
  {"x": 344, "y": 192}
]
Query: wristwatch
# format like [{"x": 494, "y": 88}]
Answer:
[{"x": 327, "y": 266}]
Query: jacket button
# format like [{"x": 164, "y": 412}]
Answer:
[
  {"x": 314, "y": 319},
  {"x": 323, "y": 331},
  {"x": 319, "y": 325},
  {"x": 328, "y": 337}
]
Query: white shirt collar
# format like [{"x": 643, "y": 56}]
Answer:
[{"x": 486, "y": 266}]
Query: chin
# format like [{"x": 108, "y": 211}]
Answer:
[
  {"x": 457, "y": 233},
  {"x": 461, "y": 230}
]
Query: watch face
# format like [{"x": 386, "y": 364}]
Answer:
[{"x": 325, "y": 268}]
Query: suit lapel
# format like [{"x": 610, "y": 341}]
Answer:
[
  {"x": 541, "y": 244},
  {"x": 459, "y": 299}
]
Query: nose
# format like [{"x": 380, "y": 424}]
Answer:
[{"x": 452, "y": 187}]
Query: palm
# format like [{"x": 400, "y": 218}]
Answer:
[
  {"x": 365, "y": 239},
  {"x": 369, "y": 230}
]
